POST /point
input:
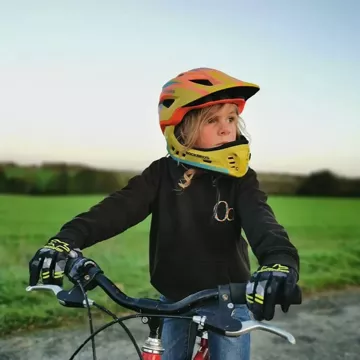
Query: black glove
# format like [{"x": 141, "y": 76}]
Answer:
[
  {"x": 49, "y": 262},
  {"x": 77, "y": 269},
  {"x": 268, "y": 284}
]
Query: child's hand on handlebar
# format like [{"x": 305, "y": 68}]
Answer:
[
  {"x": 48, "y": 263},
  {"x": 266, "y": 286}
]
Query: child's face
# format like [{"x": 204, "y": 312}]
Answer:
[{"x": 219, "y": 129}]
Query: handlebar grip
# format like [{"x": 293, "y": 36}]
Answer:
[
  {"x": 238, "y": 295},
  {"x": 77, "y": 268}
]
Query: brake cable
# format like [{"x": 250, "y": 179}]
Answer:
[
  {"x": 126, "y": 329},
  {"x": 108, "y": 312},
  {"x": 116, "y": 320},
  {"x": 90, "y": 318}
]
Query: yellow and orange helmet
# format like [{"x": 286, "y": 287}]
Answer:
[{"x": 195, "y": 89}]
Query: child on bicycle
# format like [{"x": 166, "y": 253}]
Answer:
[{"x": 201, "y": 195}]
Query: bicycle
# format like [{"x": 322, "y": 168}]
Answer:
[{"x": 151, "y": 311}]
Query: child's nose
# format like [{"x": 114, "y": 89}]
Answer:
[{"x": 224, "y": 129}]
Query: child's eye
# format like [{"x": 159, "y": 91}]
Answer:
[
  {"x": 231, "y": 119},
  {"x": 211, "y": 121}
]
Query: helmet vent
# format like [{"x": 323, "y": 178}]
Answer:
[
  {"x": 205, "y": 82},
  {"x": 231, "y": 161},
  {"x": 168, "y": 102}
]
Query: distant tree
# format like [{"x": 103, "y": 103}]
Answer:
[
  {"x": 16, "y": 185},
  {"x": 58, "y": 184},
  {"x": 351, "y": 187},
  {"x": 84, "y": 182},
  {"x": 3, "y": 181},
  {"x": 321, "y": 183},
  {"x": 107, "y": 182}
]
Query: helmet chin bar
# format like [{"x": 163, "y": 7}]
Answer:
[{"x": 231, "y": 158}]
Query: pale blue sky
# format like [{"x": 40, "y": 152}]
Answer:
[{"x": 80, "y": 80}]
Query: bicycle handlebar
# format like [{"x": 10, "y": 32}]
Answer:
[
  {"x": 227, "y": 296},
  {"x": 232, "y": 293},
  {"x": 236, "y": 294},
  {"x": 151, "y": 306}
]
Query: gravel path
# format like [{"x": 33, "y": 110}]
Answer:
[{"x": 325, "y": 327}]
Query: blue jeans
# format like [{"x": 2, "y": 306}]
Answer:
[{"x": 176, "y": 339}]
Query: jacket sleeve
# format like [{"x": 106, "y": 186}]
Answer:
[
  {"x": 268, "y": 239},
  {"x": 115, "y": 213}
]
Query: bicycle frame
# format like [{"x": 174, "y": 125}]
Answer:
[
  {"x": 201, "y": 354},
  {"x": 153, "y": 350},
  {"x": 203, "y": 351}
]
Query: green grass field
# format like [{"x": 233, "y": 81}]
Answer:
[{"x": 326, "y": 232}]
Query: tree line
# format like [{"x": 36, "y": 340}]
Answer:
[
  {"x": 60, "y": 179},
  {"x": 68, "y": 179}
]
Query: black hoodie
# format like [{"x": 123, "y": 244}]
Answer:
[{"x": 195, "y": 235}]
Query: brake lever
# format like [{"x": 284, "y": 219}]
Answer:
[
  {"x": 72, "y": 298},
  {"x": 243, "y": 328},
  {"x": 54, "y": 288},
  {"x": 250, "y": 325}
]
